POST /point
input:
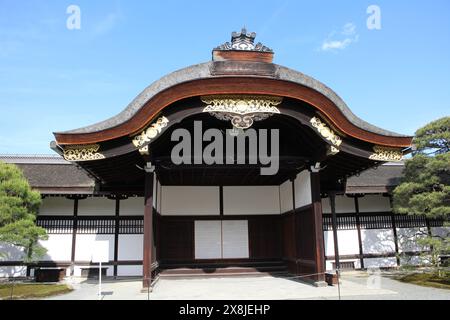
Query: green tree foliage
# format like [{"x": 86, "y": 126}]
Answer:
[
  {"x": 425, "y": 187},
  {"x": 19, "y": 205}
]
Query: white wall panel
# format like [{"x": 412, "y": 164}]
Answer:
[
  {"x": 56, "y": 206},
  {"x": 96, "y": 206},
  {"x": 380, "y": 262},
  {"x": 347, "y": 240},
  {"x": 303, "y": 189},
  {"x": 407, "y": 238},
  {"x": 235, "y": 239},
  {"x": 246, "y": 200},
  {"x": 190, "y": 200},
  {"x": 10, "y": 252},
  {"x": 286, "y": 201},
  {"x": 378, "y": 240},
  {"x": 14, "y": 271},
  {"x": 130, "y": 246},
  {"x": 440, "y": 231},
  {"x": 58, "y": 247},
  {"x": 374, "y": 203},
  {"x": 326, "y": 208},
  {"x": 77, "y": 270},
  {"x": 85, "y": 246},
  {"x": 344, "y": 204},
  {"x": 132, "y": 206},
  {"x": 127, "y": 271},
  {"x": 208, "y": 239}
]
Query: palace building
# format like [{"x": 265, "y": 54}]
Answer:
[{"x": 117, "y": 180}]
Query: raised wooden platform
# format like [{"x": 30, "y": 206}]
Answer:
[{"x": 273, "y": 268}]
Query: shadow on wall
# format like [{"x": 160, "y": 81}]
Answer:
[
  {"x": 11, "y": 253},
  {"x": 378, "y": 241}
]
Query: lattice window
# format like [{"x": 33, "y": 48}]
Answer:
[
  {"x": 59, "y": 225},
  {"x": 375, "y": 221},
  {"x": 131, "y": 225},
  {"x": 343, "y": 222},
  {"x": 410, "y": 221},
  {"x": 97, "y": 225}
]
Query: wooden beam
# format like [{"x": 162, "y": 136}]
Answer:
[
  {"x": 358, "y": 227},
  {"x": 319, "y": 247},
  {"x": 332, "y": 196},
  {"x": 116, "y": 235},
  {"x": 148, "y": 228},
  {"x": 74, "y": 235}
]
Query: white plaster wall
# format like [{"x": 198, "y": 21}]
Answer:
[
  {"x": 380, "y": 262},
  {"x": 96, "y": 206},
  {"x": 58, "y": 247},
  {"x": 326, "y": 208},
  {"x": 190, "y": 200},
  {"x": 77, "y": 269},
  {"x": 235, "y": 239},
  {"x": 14, "y": 271},
  {"x": 129, "y": 271},
  {"x": 10, "y": 252},
  {"x": 377, "y": 240},
  {"x": 85, "y": 246},
  {"x": 132, "y": 206},
  {"x": 56, "y": 206},
  {"x": 347, "y": 240},
  {"x": 374, "y": 203},
  {"x": 344, "y": 204},
  {"x": 440, "y": 231},
  {"x": 208, "y": 239},
  {"x": 407, "y": 238},
  {"x": 251, "y": 200},
  {"x": 286, "y": 202},
  {"x": 329, "y": 263},
  {"x": 130, "y": 247},
  {"x": 302, "y": 184},
  {"x": 413, "y": 260}
]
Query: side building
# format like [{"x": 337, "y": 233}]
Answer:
[{"x": 76, "y": 215}]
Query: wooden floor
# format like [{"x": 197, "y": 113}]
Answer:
[{"x": 274, "y": 268}]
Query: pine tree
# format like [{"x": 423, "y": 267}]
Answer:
[{"x": 19, "y": 205}]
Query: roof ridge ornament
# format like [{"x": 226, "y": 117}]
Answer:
[{"x": 243, "y": 41}]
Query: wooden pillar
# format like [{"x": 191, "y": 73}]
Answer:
[
  {"x": 358, "y": 227},
  {"x": 116, "y": 235},
  {"x": 148, "y": 227},
  {"x": 74, "y": 234},
  {"x": 318, "y": 225},
  {"x": 334, "y": 223},
  {"x": 294, "y": 228},
  {"x": 394, "y": 229}
]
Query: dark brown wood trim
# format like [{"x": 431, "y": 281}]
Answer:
[
  {"x": 148, "y": 230},
  {"x": 233, "y": 85},
  {"x": 116, "y": 236},
  {"x": 358, "y": 228},
  {"x": 74, "y": 232},
  {"x": 394, "y": 230},
  {"x": 319, "y": 247},
  {"x": 332, "y": 196},
  {"x": 221, "y": 201}
]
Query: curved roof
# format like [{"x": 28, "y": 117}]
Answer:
[
  {"x": 203, "y": 71},
  {"x": 239, "y": 67}
]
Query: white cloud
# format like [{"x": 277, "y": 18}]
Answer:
[
  {"x": 107, "y": 24},
  {"x": 340, "y": 41}
]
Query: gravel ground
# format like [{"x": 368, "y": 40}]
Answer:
[{"x": 354, "y": 285}]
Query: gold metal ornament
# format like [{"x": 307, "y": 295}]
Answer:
[
  {"x": 326, "y": 132},
  {"x": 87, "y": 152},
  {"x": 386, "y": 154},
  {"x": 241, "y": 110},
  {"x": 150, "y": 133}
]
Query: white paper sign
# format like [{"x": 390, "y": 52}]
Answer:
[{"x": 101, "y": 252}]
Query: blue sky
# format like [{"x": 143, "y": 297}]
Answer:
[{"x": 53, "y": 78}]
